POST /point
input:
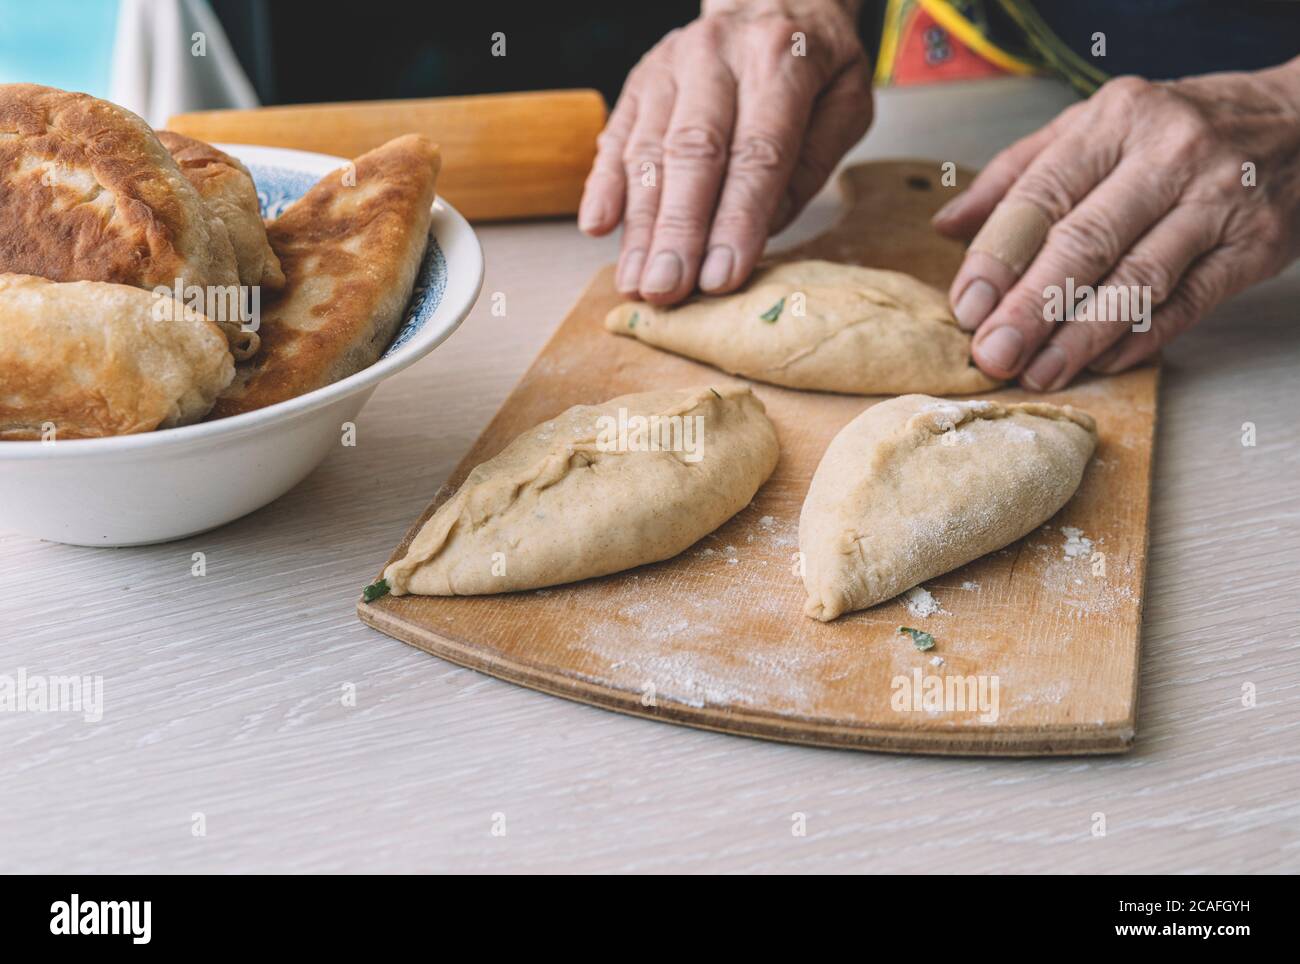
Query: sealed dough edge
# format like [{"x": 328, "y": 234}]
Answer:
[
  {"x": 917, "y": 486},
  {"x": 819, "y": 326},
  {"x": 585, "y": 494}
]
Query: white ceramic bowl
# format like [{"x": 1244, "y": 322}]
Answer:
[{"x": 136, "y": 489}]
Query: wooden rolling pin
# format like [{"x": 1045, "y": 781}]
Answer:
[{"x": 503, "y": 155}]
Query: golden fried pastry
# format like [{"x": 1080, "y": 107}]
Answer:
[
  {"x": 90, "y": 358},
  {"x": 227, "y": 187},
  {"x": 350, "y": 248},
  {"x": 90, "y": 194}
]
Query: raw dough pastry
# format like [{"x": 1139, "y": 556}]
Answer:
[
  {"x": 96, "y": 359},
  {"x": 558, "y": 504},
  {"x": 819, "y": 325},
  {"x": 917, "y": 486}
]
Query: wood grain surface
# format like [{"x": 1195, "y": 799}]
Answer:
[
  {"x": 503, "y": 155},
  {"x": 224, "y": 694},
  {"x": 716, "y": 637}
]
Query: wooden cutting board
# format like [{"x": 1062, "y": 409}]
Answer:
[{"x": 716, "y": 638}]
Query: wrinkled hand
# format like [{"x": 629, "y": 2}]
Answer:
[
  {"x": 722, "y": 133},
  {"x": 1142, "y": 185}
]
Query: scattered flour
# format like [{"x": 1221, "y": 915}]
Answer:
[
  {"x": 771, "y": 536},
  {"x": 953, "y": 411},
  {"x": 668, "y": 656},
  {"x": 1020, "y": 433},
  {"x": 781, "y": 534},
  {"x": 1068, "y": 576},
  {"x": 1075, "y": 543},
  {"x": 919, "y": 602},
  {"x": 1053, "y": 693},
  {"x": 970, "y": 586}
]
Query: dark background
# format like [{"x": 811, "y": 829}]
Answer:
[
  {"x": 305, "y": 51},
  {"x": 378, "y": 49},
  {"x": 300, "y": 51}
]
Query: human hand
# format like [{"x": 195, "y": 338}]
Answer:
[
  {"x": 1190, "y": 188},
  {"x": 722, "y": 133}
]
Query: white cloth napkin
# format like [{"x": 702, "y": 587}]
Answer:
[{"x": 171, "y": 56}]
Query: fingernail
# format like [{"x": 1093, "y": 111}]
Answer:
[
  {"x": 975, "y": 303},
  {"x": 1047, "y": 367},
  {"x": 591, "y": 215},
  {"x": 629, "y": 271},
  {"x": 1002, "y": 348},
  {"x": 951, "y": 208},
  {"x": 717, "y": 268},
  {"x": 665, "y": 273}
]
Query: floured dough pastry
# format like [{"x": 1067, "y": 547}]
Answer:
[
  {"x": 90, "y": 194},
  {"x": 819, "y": 325},
  {"x": 93, "y": 359},
  {"x": 595, "y": 490},
  {"x": 917, "y": 486},
  {"x": 227, "y": 188}
]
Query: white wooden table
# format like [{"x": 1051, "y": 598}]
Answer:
[{"x": 223, "y": 695}]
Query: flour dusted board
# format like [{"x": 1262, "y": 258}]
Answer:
[{"x": 718, "y": 632}]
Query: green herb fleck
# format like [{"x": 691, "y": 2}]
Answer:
[
  {"x": 631, "y": 322},
  {"x": 375, "y": 590},
  {"x": 715, "y": 392},
  {"x": 773, "y": 313},
  {"x": 922, "y": 639}
]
